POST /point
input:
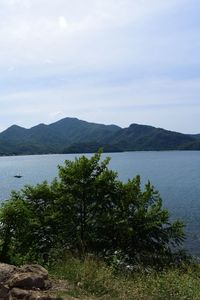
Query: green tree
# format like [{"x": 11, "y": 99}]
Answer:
[
  {"x": 28, "y": 223},
  {"x": 89, "y": 210},
  {"x": 15, "y": 229},
  {"x": 87, "y": 189},
  {"x": 143, "y": 228}
]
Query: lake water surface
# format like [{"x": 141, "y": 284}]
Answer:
[{"x": 176, "y": 174}]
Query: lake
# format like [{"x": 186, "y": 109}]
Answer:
[{"x": 176, "y": 174}]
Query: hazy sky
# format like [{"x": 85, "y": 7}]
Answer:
[{"x": 106, "y": 61}]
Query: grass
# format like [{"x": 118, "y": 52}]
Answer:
[{"x": 92, "y": 279}]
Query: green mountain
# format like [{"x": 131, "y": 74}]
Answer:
[
  {"x": 71, "y": 135},
  {"x": 143, "y": 137},
  {"x": 53, "y": 138}
]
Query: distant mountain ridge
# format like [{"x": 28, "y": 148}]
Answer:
[{"x": 71, "y": 135}]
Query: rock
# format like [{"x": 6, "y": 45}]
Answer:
[
  {"x": 6, "y": 271},
  {"x": 47, "y": 284},
  {"x": 35, "y": 269},
  {"x": 26, "y": 280},
  {"x": 29, "y": 282},
  {"x": 17, "y": 293},
  {"x": 4, "y": 290}
]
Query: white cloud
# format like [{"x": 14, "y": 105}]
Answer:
[
  {"x": 31, "y": 30},
  {"x": 62, "y": 22}
]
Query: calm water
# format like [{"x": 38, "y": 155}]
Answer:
[{"x": 176, "y": 174}]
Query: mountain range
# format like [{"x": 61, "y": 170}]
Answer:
[{"x": 71, "y": 135}]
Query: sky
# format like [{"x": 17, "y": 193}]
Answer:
[{"x": 104, "y": 61}]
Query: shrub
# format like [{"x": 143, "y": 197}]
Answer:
[{"x": 89, "y": 210}]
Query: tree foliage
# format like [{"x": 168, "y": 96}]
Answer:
[{"x": 88, "y": 210}]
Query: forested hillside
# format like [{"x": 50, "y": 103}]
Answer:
[{"x": 71, "y": 135}]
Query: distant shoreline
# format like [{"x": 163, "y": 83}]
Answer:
[{"x": 104, "y": 152}]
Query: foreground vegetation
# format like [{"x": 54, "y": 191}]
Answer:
[
  {"x": 88, "y": 210},
  {"x": 108, "y": 239},
  {"x": 92, "y": 279}
]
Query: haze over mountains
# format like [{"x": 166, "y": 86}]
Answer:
[{"x": 71, "y": 135}]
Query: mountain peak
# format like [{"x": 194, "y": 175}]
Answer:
[
  {"x": 78, "y": 136},
  {"x": 14, "y": 128},
  {"x": 135, "y": 125}
]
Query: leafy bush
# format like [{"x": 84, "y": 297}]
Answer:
[{"x": 88, "y": 210}]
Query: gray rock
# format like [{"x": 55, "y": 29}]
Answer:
[
  {"x": 17, "y": 293},
  {"x": 29, "y": 282},
  {"x": 6, "y": 271},
  {"x": 37, "y": 269},
  {"x": 26, "y": 281},
  {"x": 4, "y": 290}
]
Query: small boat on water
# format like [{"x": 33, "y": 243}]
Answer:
[{"x": 18, "y": 176}]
